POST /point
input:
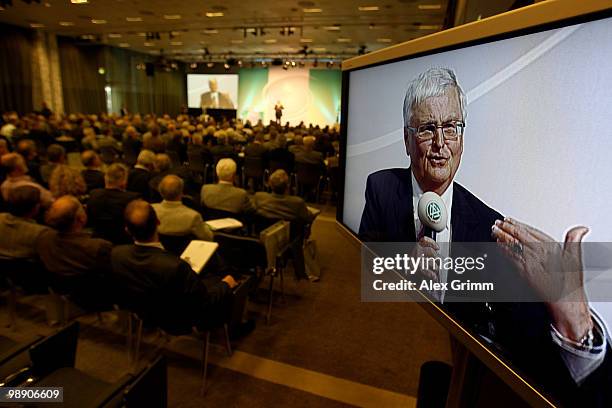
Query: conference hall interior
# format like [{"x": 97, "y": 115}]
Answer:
[{"x": 170, "y": 178}]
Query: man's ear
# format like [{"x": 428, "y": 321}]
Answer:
[{"x": 406, "y": 140}]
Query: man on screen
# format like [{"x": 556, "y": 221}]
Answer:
[
  {"x": 563, "y": 344},
  {"x": 215, "y": 99}
]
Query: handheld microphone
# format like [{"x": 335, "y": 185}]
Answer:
[{"x": 432, "y": 213}]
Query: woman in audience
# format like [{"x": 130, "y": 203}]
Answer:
[{"x": 67, "y": 181}]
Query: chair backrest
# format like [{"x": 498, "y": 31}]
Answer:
[
  {"x": 275, "y": 239},
  {"x": 150, "y": 388},
  {"x": 196, "y": 161},
  {"x": 55, "y": 351},
  {"x": 215, "y": 214},
  {"x": 254, "y": 166},
  {"x": 307, "y": 173},
  {"x": 176, "y": 243},
  {"x": 243, "y": 253}
]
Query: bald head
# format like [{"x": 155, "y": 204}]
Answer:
[
  {"x": 162, "y": 162},
  {"x": 90, "y": 159},
  {"x": 66, "y": 214},
  {"x": 279, "y": 181},
  {"x": 171, "y": 188},
  {"x": 141, "y": 221},
  {"x": 14, "y": 164}
]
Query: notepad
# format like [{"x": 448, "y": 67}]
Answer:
[
  {"x": 198, "y": 253},
  {"x": 223, "y": 223}
]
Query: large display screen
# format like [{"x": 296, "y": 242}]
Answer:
[
  {"x": 519, "y": 127},
  {"x": 212, "y": 91}
]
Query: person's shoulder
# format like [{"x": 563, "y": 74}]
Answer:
[
  {"x": 389, "y": 177},
  {"x": 477, "y": 205},
  {"x": 122, "y": 251}
]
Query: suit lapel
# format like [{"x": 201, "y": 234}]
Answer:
[{"x": 463, "y": 219}]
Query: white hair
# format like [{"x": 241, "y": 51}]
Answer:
[
  {"x": 226, "y": 169},
  {"x": 146, "y": 158},
  {"x": 433, "y": 82}
]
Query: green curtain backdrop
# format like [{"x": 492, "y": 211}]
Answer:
[
  {"x": 326, "y": 88},
  {"x": 251, "y": 82},
  {"x": 15, "y": 69}
]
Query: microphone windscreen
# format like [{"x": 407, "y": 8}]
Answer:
[{"x": 432, "y": 211}]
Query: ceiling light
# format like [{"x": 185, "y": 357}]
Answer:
[
  {"x": 428, "y": 27},
  {"x": 133, "y": 19},
  {"x": 270, "y": 41},
  {"x": 88, "y": 37},
  {"x": 66, "y": 23},
  {"x": 211, "y": 31},
  {"x": 319, "y": 49},
  {"x": 124, "y": 45},
  {"x": 193, "y": 65},
  {"x": 237, "y": 41},
  {"x": 226, "y": 66},
  {"x": 210, "y": 64},
  {"x": 312, "y": 10},
  {"x": 114, "y": 35},
  {"x": 142, "y": 34},
  {"x": 148, "y": 44},
  {"x": 78, "y": 1},
  {"x": 96, "y": 21},
  {"x": 172, "y": 16},
  {"x": 37, "y": 25},
  {"x": 214, "y": 14},
  {"x": 305, "y": 40},
  {"x": 332, "y": 28},
  {"x": 430, "y": 6},
  {"x": 384, "y": 40},
  {"x": 343, "y": 40},
  {"x": 176, "y": 43},
  {"x": 368, "y": 8}
]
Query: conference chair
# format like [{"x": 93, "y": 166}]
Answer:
[
  {"x": 200, "y": 164},
  {"x": 308, "y": 177},
  {"x": 176, "y": 243},
  {"x": 149, "y": 389},
  {"x": 254, "y": 169}
]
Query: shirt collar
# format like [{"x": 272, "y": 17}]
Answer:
[
  {"x": 138, "y": 166},
  {"x": 229, "y": 183},
  {"x": 417, "y": 192},
  {"x": 171, "y": 203},
  {"x": 150, "y": 244}
]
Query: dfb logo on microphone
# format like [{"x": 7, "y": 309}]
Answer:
[{"x": 434, "y": 212}]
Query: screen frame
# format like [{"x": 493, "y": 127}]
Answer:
[{"x": 528, "y": 20}]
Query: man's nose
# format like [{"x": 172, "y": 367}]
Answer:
[{"x": 438, "y": 139}]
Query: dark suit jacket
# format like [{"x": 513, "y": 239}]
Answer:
[
  {"x": 224, "y": 101},
  {"x": 282, "y": 157},
  {"x": 521, "y": 331},
  {"x": 93, "y": 178},
  {"x": 164, "y": 290},
  {"x": 138, "y": 182},
  {"x": 255, "y": 150},
  {"x": 105, "y": 214}
]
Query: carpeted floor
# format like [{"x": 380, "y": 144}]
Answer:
[{"x": 322, "y": 327}]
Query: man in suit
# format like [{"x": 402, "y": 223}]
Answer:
[
  {"x": 279, "y": 157},
  {"x": 223, "y": 195},
  {"x": 160, "y": 286},
  {"x": 308, "y": 155},
  {"x": 19, "y": 231},
  {"x": 17, "y": 176},
  {"x": 93, "y": 176},
  {"x": 141, "y": 173},
  {"x": 56, "y": 155},
  {"x": 279, "y": 204},
  {"x": 256, "y": 148},
  {"x": 78, "y": 262},
  {"x": 215, "y": 99},
  {"x": 174, "y": 217},
  {"x": 27, "y": 148},
  {"x": 131, "y": 145},
  {"x": 106, "y": 205},
  {"x": 562, "y": 344}
]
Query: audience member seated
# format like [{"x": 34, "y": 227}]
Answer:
[
  {"x": 223, "y": 148},
  {"x": 78, "y": 262},
  {"x": 16, "y": 171},
  {"x": 279, "y": 204},
  {"x": 56, "y": 155},
  {"x": 153, "y": 141},
  {"x": 106, "y": 205},
  {"x": 297, "y": 146},
  {"x": 160, "y": 286},
  {"x": 139, "y": 176},
  {"x": 131, "y": 145},
  {"x": 174, "y": 217},
  {"x": 308, "y": 155},
  {"x": 67, "y": 181},
  {"x": 19, "y": 231},
  {"x": 256, "y": 148},
  {"x": 27, "y": 148},
  {"x": 280, "y": 157},
  {"x": 223, "y": 195},
  {"x": 93, "y": 176}
]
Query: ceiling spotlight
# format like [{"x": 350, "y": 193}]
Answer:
[
  {"x": 226, "y": 66},
  {"x": 210, "y": 64},
  {"x": 368, "y": 8},
  {"x": 312, "y": 10},
  {"x": 239, "y": 63},
  {"x": 193, "y": 65},
  {"x": 332, "y": 28},
  {"x": 430, "y": 6},
  {"x": 293, "y": 64},
  {"x": 66, "y": 23},
  {"x": 172, "y": 16},
  {"x": 78, "y": 1},
  {"x": 114, "y": 35},
  {"x": 98, "y": 21},
  {"x": 330, "y": 64},
  {"x": 101, "y": 71},
  {"x": 133, "y": 19},
  {"x": 214, "y": 14}
]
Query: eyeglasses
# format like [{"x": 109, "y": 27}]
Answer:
[{"x": 450, "y": 130}]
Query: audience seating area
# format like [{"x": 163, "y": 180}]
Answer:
[{"x": 76, "y": 195}]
